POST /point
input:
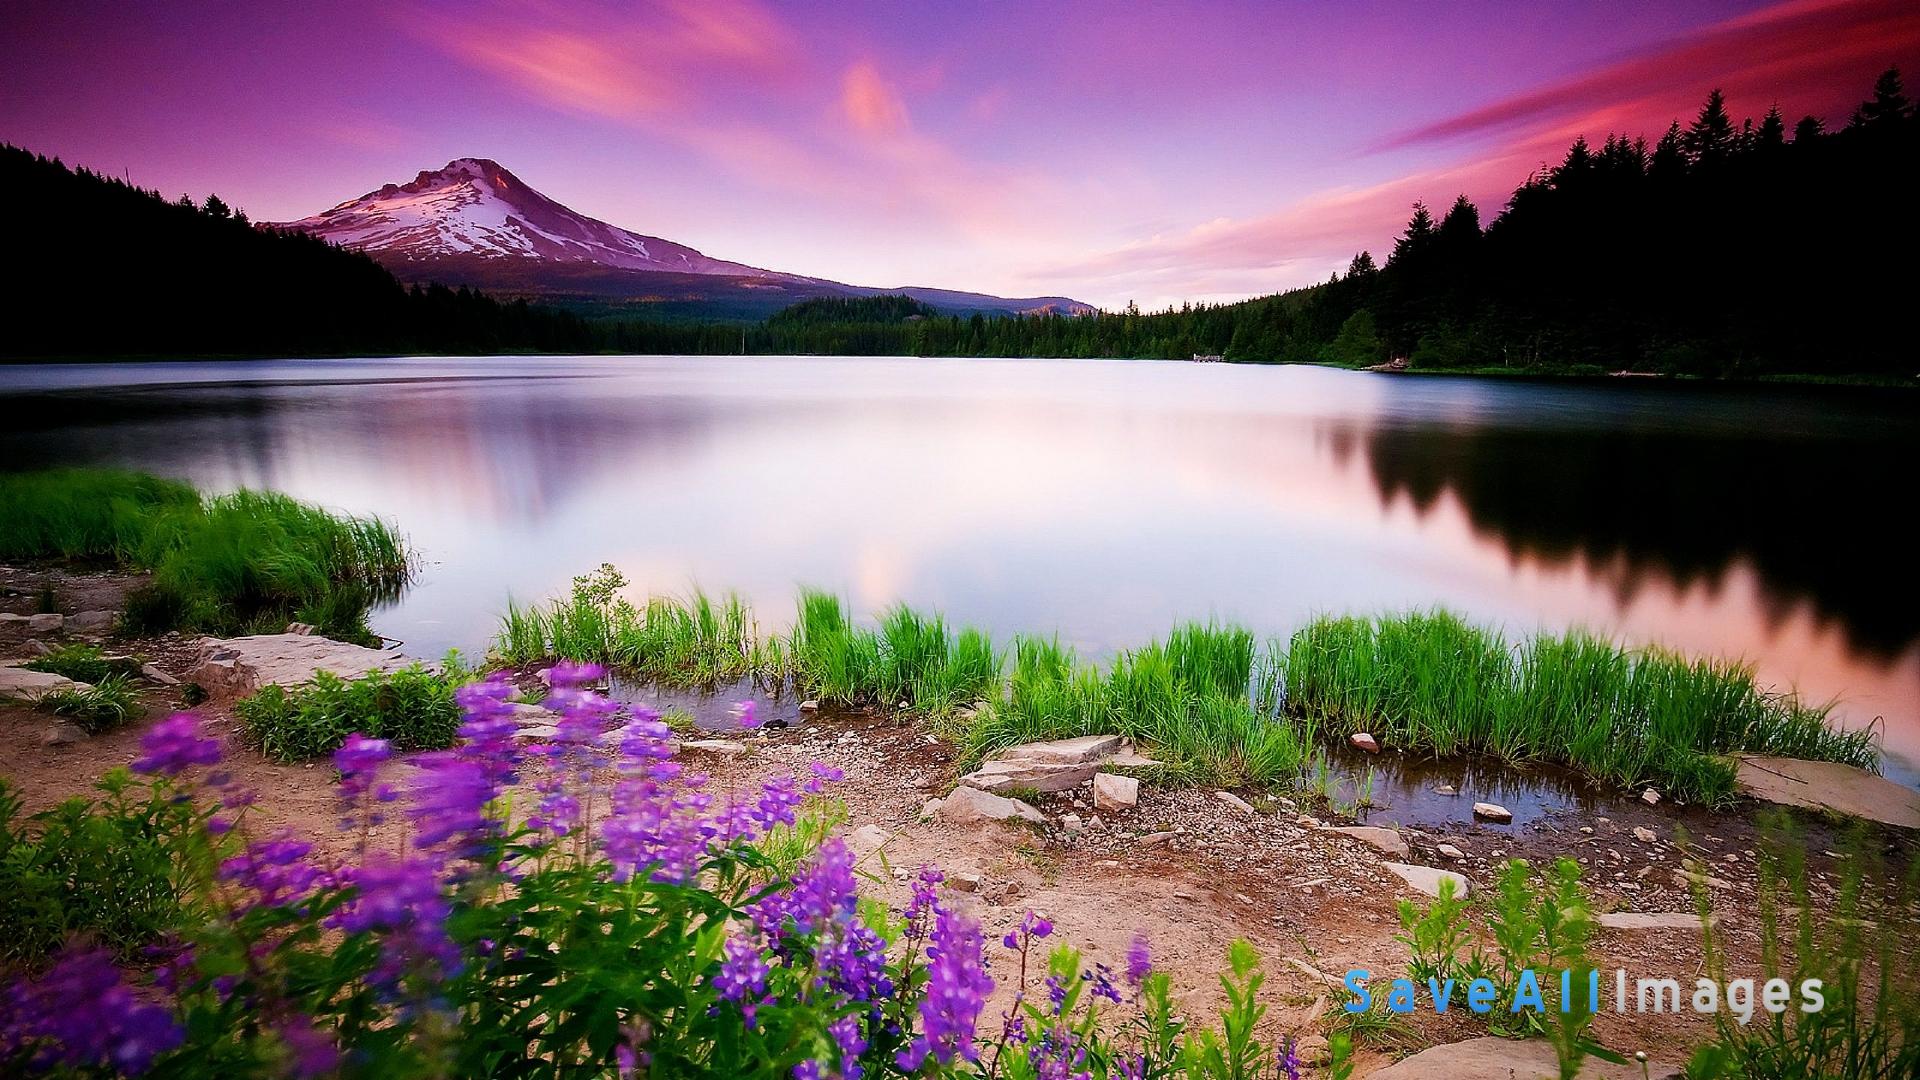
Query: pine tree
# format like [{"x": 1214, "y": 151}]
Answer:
[
  {"x": 1711, "y": 138},
  {"x": 1888, "y": 107}
]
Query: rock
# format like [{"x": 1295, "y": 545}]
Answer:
[
  {"x": 866, "y": 840},
  {"x": 1072, "y": 824},
  {"x": 62, "y": 733},
  {"x": 1446, "y": 789},
  {"x": 1363, "y": 741},
  {"x": 928, "y": 809},
  {"x": 91, "y": 622},
  {"x": 1427, "y": 879},
  {"x": 1155, "y": 839},
  {"x": 1493, "y": 1058},
  {"x": 1452, "y": 852},
  {"x": 1312, "y": 1050},
  {"x": 964, "y": 881},
  {"x": 35, "y": 647},
  {"x": 1077, "y": 751},
  {"x": 1382, "y": 840},
  {"x": 232, "y": 668},
  {"x": 810, "y": 705},
  {"x": 537, "y": 732},
  {"x": 1826, "y": 785},
  {"x": 1234, "y": 801},
  {"x": 998, "y": 774},
  {"x": 301, "y": 629},
  {"x": 1644, "y": 834},
  {"x": 1128, "y": 758},
  {"x": 967, "y": 805},
  {"x": 1651, "y": 797},
  {"x": 1112, "y": 791},
  {"x": 48, "y": 623},
  {"x": 157, "y": 677},
  {"x": 1492, "y": 812},
  {"x": 22, "y": 684},
  {"x": 1686, "y": 880},
  {"x": 720, "y": 747},
  {"x": 1645, "y": 920}
]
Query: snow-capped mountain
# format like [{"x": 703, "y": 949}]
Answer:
[
  {"x": 473, "y": 207},
  {"x": 474, "y": 223}
]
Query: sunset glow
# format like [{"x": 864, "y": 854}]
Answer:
[{"x": 1156, "y": 155}]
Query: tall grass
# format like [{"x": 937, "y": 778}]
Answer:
[
  {"x": 1186, "y": 701},
  {"x": 247, "y": 561},
  {"x": 912, "y": 660},
  {"x": 1430, "y": 681}
]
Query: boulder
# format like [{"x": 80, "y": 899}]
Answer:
[
  {"x": 969, "y": 805},
  {"x": 1363, "y": 741},
  {"x": 1427, "y": 879},
  {"x": 62, "y": 733},
  {"x": 866, "y": 840},
  {"x": 35, "y": 647},
  {"x": 23, "y": 684},
  {"x": 1493, "y": 1058},
  {"x": 1382, "y": 840},
  {"x": 1826, "y": 785},
  {"x": 1492, "y": 812},
  {"x": 1076, "y": 751},
  {"x": 46, "y": 623},
  {"x": 1112, "y": 791},
  {"x": 720, "y": 747},
  {"x": 232, "y": 668}
]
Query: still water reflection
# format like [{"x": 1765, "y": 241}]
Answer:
[{"x": 1104, "y": 500}]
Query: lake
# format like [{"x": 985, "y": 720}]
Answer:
[{"x": 1104, "y": 500}]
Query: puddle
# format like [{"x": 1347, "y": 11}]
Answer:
[{"x": 1404, "y": 790}]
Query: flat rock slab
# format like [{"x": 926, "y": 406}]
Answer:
[
  {"x": 1427, "y": 879},
  {"x": 1651, "y": 920},
  {"x": 968, "y": 805},
  {"x": 1000, "y": 774},
  {"x": 1827, "y": 785},
  {"x": 1383, "y": 840},
  {"x": 232, "y": 668},
  {"x": 23, "y": 684},
  {"x": 1492, "y": 1058},
  {"x": 1076, "y": 751}
]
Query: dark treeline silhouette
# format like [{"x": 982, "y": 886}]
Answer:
[
  {"x": 1720, "y": 248},
  {"x": 100, "y": 267}
]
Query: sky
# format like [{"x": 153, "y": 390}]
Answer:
[{"x": 1151, "y": 152}]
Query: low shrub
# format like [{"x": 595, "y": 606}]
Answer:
[
  {"x": 81, "y": 663},
  {"x": 114, "y": 868},
  {"x": 413, "y": 708}
]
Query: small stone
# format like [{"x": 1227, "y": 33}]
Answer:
[
  {"x": 929, "y": 808},
  {"x": 1155, "y": 839},
  {"x": 90, "y": 622},
  {"x": 1363, "y": 741},
  {"x": 1492, "y": 812},
  {"x": 1638, "y": 920},
  {"x": 1234, "y": 801},
  {"x": 1651, "y": 797},
  {"x": 967, "y": 804},
  {"x": 866, "y": 840},
  {"x": 1385, "y": 841},
  {"x": 1427, "y": 879},
  {"x": 301, "y": 629},
  {"x": 62, "y": 733},
  {"x": 1111, "y": 791},
  {"x": 965, "y": 881},
  {"x": 157, "y": 677},
  {"x": 1586, "y": 830},
  {"x": 36, "y": 647},
  {"x": 1072, "y": 824},
  {"x": 1446, "y": 789},
  {"x": 810, "y": 705},
  {"x": 721, "y": 747},
  {"x": 1644, "y": 834},
  {"x": 1452, "y": 852}
]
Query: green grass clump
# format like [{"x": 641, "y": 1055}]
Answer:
[
  {"x": 412, "y": 707},
  {"x": 247, "y": 561},
  {"x": 1430, "y": 681},
  {"x": 1186, "y": 701},
  {"x": 912, "y": 660},
  {"x": 103, "y": 706},
  {"x": 81, "y": 663}
]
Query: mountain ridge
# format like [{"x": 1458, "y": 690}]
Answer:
[{"x": 473, "y": 222}]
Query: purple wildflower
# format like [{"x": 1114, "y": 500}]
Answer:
[
  {"x": 747, "y": 712},
  {"x": 808, "y": 1070},
  {"x": 310, "y": 1051},
  {"x": 957, "y": 989},
  {"x": 568, "y": 674},
  {"x": 743, "y": 976},
  {"x": 1139, "y": 960},
  {"x": 1287, "y": 1060},
  {"x": 823, "y": 774},
  {"x": 358, "y": 760},
  {"x": 401, "y": 900},
  {"x": 175, "y": 745},
  {"x": 276, "y": 871},
  {"x": 851, "y": 1044},
  {"x": 81, "y": 1015},
  {"x": 448, "y": 802}
]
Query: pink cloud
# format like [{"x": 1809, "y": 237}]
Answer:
[{"x": 870, "y": 102}]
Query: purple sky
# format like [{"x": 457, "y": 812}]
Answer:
[{"x": 1110, "y": 152}]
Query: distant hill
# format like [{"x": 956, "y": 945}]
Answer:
[{"x": 474, "y": 223}]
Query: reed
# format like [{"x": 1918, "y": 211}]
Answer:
[
  {"x": 246, "y": 561},
  {"x": 1431, "y": 682}
]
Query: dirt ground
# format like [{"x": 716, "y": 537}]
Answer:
[{"x": 1315, "y": 903}]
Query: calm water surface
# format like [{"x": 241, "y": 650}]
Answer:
[{"x": 1103, "y": 500}]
